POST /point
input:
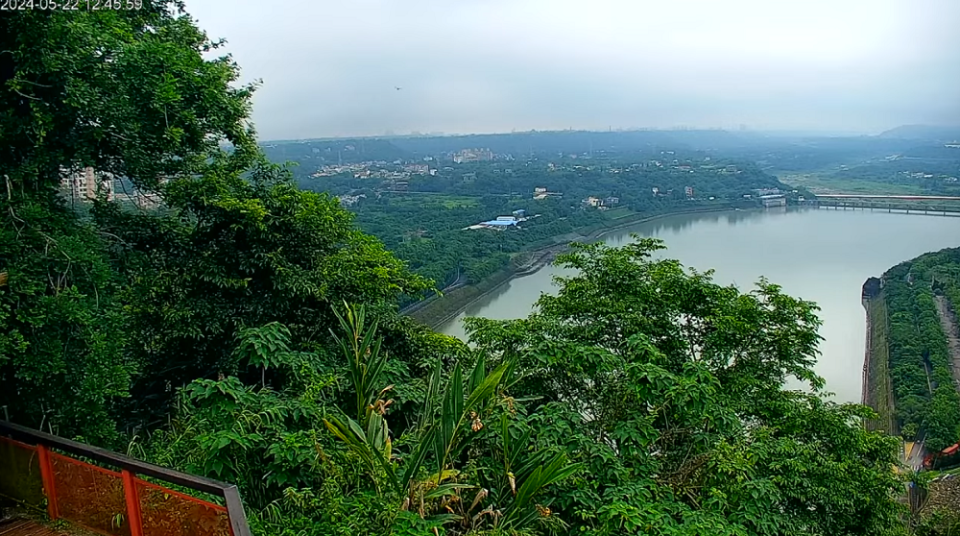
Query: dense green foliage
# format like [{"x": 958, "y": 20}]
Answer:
[
  {"x": 642, "y": 399},
  {"x": 925, "y": 394},
  {"x": 235, "y": 255},
  {"x": 249, "y": 331},
  {"x": 666, "y": 386}
]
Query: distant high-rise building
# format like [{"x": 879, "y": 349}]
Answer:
[
  {"x": 688, "y": 190},
  {"x": 87, "y": 184}
]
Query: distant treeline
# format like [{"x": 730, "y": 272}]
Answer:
[
  {"x": 517, "y": 144},
  {"x": 780, "y": 153}
]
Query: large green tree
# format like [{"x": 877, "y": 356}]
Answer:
[
  {"x": 238, "y": 251},
  {"x": 127, "y": 92},
  {"x": 669, "y": 388}
]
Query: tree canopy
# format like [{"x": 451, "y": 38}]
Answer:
[
  {"x": 127, "y": 93},
  {"x": 668, "y": 388}
]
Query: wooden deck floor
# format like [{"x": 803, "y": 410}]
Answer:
[{"x": 25, "y": 527}]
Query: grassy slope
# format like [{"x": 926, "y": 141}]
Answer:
[
  {"x": 821, "y": 183},
  {"x": 879, "y": 396}
]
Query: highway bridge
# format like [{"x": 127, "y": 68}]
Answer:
[
  {"x": 900, "y": 197},
  {"x": 939, "y": 205}
]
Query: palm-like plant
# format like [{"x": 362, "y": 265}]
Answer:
[{"x": 447, "y": 426}]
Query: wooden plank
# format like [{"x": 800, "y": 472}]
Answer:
[
  {"x": 8, "y": 528},
  {"x": 25, "y": 527}
]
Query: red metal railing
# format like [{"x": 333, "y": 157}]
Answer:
[{"x": 36, "y": 467}]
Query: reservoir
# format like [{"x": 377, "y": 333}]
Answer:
[{"x": 820, "y": 255}]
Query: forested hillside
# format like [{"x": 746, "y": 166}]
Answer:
[
  {"x": 427, "y": 231},
  {"x": 921, "y": 364},
  {"x": 420, "y": 215},
  {"x": 247, "y": 330},
  {"x": 423, "y": 222}
]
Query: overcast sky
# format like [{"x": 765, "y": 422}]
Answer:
[{"x": 330, "y": 68}]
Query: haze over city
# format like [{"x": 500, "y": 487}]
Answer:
[{"x": 845, "y": 66}]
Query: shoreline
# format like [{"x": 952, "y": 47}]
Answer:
[
  {"x": 436, "y": 311},
  {"x": 547, "y": 255}
]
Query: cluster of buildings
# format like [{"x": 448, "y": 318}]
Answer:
[
  {"x": 674, "y": 166},
  {"x": 601, "y": 204},
  {"x": 375, "y": 170},
  {"x": 350, "y": 200},
  {"x": 917, "y": 174},
  {"x": 542, "y": 193},
  {"x": 331, "y": 171},
  {"x": 687, "y": 191},
  {"x": 419, "y": 169},
  {"x": 472, "y": 155},
  {"x": 760, "y": 192}
]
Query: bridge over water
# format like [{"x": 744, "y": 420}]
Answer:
[{"x": 940, "y": 205}]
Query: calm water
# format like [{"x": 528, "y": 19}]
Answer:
[{"x": 818, "y": 255}]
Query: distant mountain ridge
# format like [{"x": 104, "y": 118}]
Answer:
[
  {"x": 783, "y": 151},
  {"x": 520, "y": 143},
  {"x": 923, "y": 132}
]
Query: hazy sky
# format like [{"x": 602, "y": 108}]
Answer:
[{"x": 329, "y": 68}]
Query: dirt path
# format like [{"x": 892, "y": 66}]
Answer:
[{"x": 949, "y": 323}]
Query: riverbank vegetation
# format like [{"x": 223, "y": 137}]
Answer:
[
  {"x": 250, "y": 332},
  {"x": 921, "y": 365}
]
